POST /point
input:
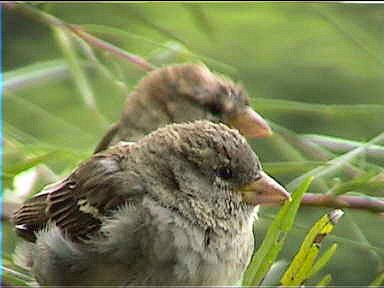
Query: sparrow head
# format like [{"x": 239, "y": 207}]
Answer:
[
  {"x": 189, "y": 92},
  {"x": 215, "y": 163}
]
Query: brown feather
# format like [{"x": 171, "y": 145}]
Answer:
[{"x": 76, "y": 203}]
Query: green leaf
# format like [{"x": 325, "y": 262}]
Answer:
[
  {"x": 379, "y": 280},
  {"x": 10, "y": 275},
  {"x": 289, "y": 106},
  {"x": 325, "y": 281},
  {"x": 290, "y": 167},
  {"x": 65, "y": 42},
  {"x": 27, "y": 163},
  {"x": 367, "y": 183},
  {"x": 274, "y": 240},
  {"x": 336, "y": 163},
  {"x": 35, "y": 74},
  {"x": 167, "y": 50},
  {"x": 301, "y": 268},
  {"x": 323, "y": 260}
]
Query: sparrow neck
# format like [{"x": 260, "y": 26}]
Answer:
[
  {"x": 141, "y": 117},
  {"x": 219, "y": 217}
]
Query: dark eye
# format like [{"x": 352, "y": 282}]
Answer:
[
  {"x": 224, "y": 173},
  {"x": 215, "y": 108}
]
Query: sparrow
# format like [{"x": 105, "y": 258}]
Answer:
[
  {"x": 181, "y": 93},
  {"x": 175, "y": 208}
]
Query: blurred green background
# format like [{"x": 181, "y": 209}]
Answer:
[{"x": 309, "y": 68}]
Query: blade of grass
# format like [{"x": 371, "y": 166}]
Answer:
[
  {"x": 44, "y": 115},
  {"x": 28, "y": 163},
  {"x": 290, "y": 167},
  {"x": 57, "y": 23},
  {"x": 286, "y": 150},
  {"x": 176, "y": 47},
  {"x": 274, "y": 240},
  {"x": 106, "y": 46},
  {"x": 335, "y": 238},
  {"x": 336, "y": 163},
  {"x": 136, "y": 13},
  {"x": 324, "y": 282},
  {"x": 20, "y": 276},
  {"x": 35, "y": 74},
  {"x": 29, "y": 145},
  {"x": 379, "y": 280},
  {"x": 311, "y": 149},
  {"x": 104, "y": 71},
  {"x": 368, "y": 183},
  {"x": 326, "y": 110},
  {"x": 79, "y": 77},
  {"x": 358, "y": 233},
  {"x": 301, "y": 267},
  {"x": 323, "y": 260},
  {"x": 201, "y": 20},
  {"x": 348, "y": 30}
]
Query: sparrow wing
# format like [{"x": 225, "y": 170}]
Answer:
[{"x": 78, "y": 203}]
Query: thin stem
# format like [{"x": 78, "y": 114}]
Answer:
[
  {"x": 363, "y": 239},
  {"x": 336, "y": 163},
  {"x": 103, "y": 45},
  {"x": 312, "y": 149},
  {"x": 338, "y": 145},
  {"x": 52, "y": 21},
  {"x": 344, "y": 201}
]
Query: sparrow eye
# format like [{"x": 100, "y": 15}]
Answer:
[
  {"x": 224, "y": 173},
  {"x": 215, "y": 109}
]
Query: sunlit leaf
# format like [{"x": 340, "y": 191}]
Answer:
[
  {"x": 302, "y": 266},
  {"x": 274, "y": 240},
  {"x": 324, "y": 282}
]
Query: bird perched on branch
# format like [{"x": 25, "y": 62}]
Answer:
[
  {"x": 182, "y": 93},
  {"x": 174, "y": 208}
]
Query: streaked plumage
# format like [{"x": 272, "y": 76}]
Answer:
[{"x": 175, "y": 208}]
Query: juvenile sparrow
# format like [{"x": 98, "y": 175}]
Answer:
[
  {"x": 181, "y": 93},
  {"x": 175, "y": 208}
]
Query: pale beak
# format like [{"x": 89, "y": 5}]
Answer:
[
  {"x": 250, "y": 124},
  {"x": 264, "y": 191}
]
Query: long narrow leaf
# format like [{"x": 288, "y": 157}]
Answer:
[
  {"x": 35, "y": 74},
  {"x": 323, "y": 260},
  {"x": 324, "y": 282},
  {"x": 275, "y": 238},
  {"x": 379, "y": 280},
  {"x": 301, "y": 267},
  {"x": 79, "y": 76}
]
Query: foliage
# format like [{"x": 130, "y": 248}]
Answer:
[
  {"x": 313, "y": 70},
  {"x": 274, "y": 240}
]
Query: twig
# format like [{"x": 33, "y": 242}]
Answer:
[
  {"x": 314, "y": 200},
  {"x": 342, "y": 146},
  {"x": 101, "y": 44},
  {"x": 343, "y": 201},
  {"x": 51, "y": 20}
]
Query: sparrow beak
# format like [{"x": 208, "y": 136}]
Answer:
[
  {"x": 264, "y": 191},
  {"x": 250, "y": 124}
]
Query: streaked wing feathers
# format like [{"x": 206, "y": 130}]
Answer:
[{"x": 77, "y": 203}]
